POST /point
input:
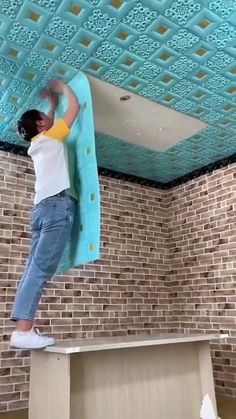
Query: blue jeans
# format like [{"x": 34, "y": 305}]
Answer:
[{"x": 52, "y": 222}]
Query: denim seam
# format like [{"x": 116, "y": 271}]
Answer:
[{"x": 46, "y": 273}]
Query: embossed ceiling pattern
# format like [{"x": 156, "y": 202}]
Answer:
[{"x": 180, "y": 53}]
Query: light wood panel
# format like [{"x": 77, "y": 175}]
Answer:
[
  {"x": 152, "y": 383},
  {"x": 165, "y": 381},
  {"x": 49, "y": 386}
]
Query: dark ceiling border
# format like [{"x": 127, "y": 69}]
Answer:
[
  {"x": 173, "y": 183},
  {"x": 21, "y": 150},
  {"x": 13, "y": 148}
]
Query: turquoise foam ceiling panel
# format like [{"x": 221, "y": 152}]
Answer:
[
  {"x": 83, "y": 246},
  {"x": 179, "y": 53}
]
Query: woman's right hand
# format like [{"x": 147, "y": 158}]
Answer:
[
  {"x": 57, "y": 86},
  {"x": 50, "y": 95},
  {"x": 72, "y": 103}
]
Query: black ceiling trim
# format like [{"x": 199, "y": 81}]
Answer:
[
  {"x": 202, "y": 171},
  {"x": 176, "y": 182},
  {"x": 131, "y": 178},
  {"x": 13, "y": 148},
  {"x": 17, "y": 149}
]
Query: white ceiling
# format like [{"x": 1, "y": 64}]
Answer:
[{"x": 139, "y": 120}]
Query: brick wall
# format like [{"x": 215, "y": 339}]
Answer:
[
  {"x": 167, "y": 264},
  {"x": 126, "y": 292},
  {"x": 202, "y": 245}
]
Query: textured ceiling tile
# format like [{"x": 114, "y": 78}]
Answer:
[
  {"x": 180, "y": 53},
  {"x": 222, "y": 36},
  {"x": 61, "y": 29},
  {"x": 95, "y": 67},
  {"x": 38, "y": 61},
  {"x": 62, "y": 71},
  {"x": 151, "y": 91},
  {"x": 72, "y": 57},
  {"x": 218, "y": 61},
  {"x": 223, "y": 8},
  {"x": 10, "y": 8},
  {"x": 50, "y": 5},
  {"x": 162, "y": 29},
  {"x": 7, "y": 109},
  {"x": 85, "y": 41},
  {"x": 17, "y": 54},
  {"x": 182, "y": 41},
  {"x": 100, "y": 23},
  {"x": 183, "y": 65},
  {"x": 216, "y": 83},
  {"x": 140, "y": 17},
  {"x": 5, "y": 23},
  {"x": 203, "y": 23},
  {"x": 118, "y": 8},
  {"x": 33, "y": 16},
  {"x": 134, "y": 84},
  {"x": 184, "y": 105},
  {"x": 181, "y": 10},
  {"x": 148, "y": 71},
  {"x": 108, "y": 52},
  {"x": 123, "y": 35},
  {"x": 183, "y": 87},
  {"x": 22, "y": 35},
  {"x": 8, "y": 67},
  {"x": 114, "y": 75},
  {"x": 144, "y": 46}
]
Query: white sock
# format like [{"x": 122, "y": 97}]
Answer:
[{"x": 21, "y": 333}]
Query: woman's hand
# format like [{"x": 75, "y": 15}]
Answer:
[
  {"x": 50, "y": 95},
  {"x": 72, "y": 110},
  {"x": 57, "y": 86}
]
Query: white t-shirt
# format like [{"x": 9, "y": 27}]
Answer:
[{"x": 49, "y": 156}]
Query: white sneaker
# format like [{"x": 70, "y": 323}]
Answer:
[{"x": 30, "y": 340}]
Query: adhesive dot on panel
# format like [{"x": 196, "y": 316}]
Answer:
[
  {"x": 128, "y": 62},
  {"x": 231, "y": 90},
  {"x": 199, "y": 94},
  {"x": 33, "y": 16},
  {"x": 92, "y": 246},
  {"x": 61, "y": 71},
  {"x": 49, "y": 46},
  {"x": 75, "y": 10},
  {"x": 165, "y": 56},
  {"x": 168, "y": 98},
  {"x": 201, "y": 52},
  {"x": 162, "y": 29},
  {"x": 200, "y": 75},
  {"x": 13, "y": 52},
  {"x": 227, "y": 107},
  {"x": 134, "y": 84},
  {"x": 123, "y": 35},
  {"x": 116, "y": 3},
  {"x": 198, "y": 111},
  {"x": 85, "y": 41},
  {"x": 166, "y": 79},
  {"x": 30, "y": 76},
  {"x": 204, "y": 23}
]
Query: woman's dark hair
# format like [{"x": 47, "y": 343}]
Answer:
[{"x": 27, "y": 126}]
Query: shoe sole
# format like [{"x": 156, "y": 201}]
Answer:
[{"x": 30, "y": 349}]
